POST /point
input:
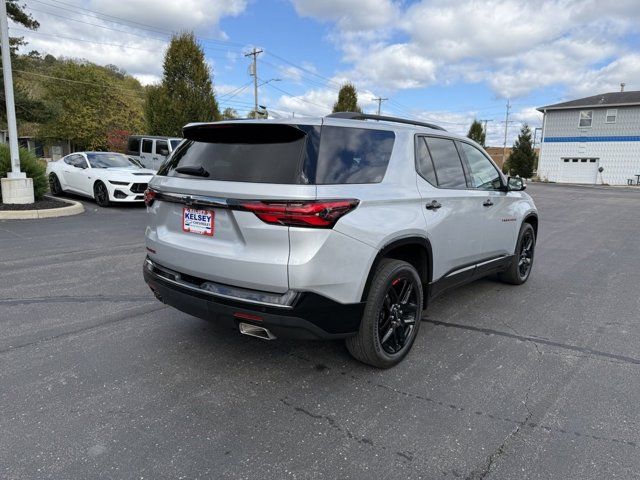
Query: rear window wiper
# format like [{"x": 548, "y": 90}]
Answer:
[{"x": 191, "y": 170}]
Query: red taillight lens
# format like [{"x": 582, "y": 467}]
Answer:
[
  {"x": 315, "y": 214},
  {"x": 149, "y": 197}
]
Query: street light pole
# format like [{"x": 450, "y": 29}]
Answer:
[
  {"x": 8, "y": 94},
  {"x": 16, "y": 188}
]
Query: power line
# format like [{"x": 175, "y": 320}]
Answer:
[
  {"x": 83, "y": 40},
  {"x": 298, "y": 97}
]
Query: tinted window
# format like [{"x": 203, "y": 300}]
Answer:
[
  {"x": 134, "y": 145},
  {"x": 174, "y": 143},
  {"x": 161, "y": 145},
  {"x": 69, "y": 159},
  {"x": 79, "y": 161},
  {"x": 424, "y": 163},
  {"x": 146, "y": 146},
  {"x": 353, "y": 155},
  {"x": 447, "y": 163},
  {"x": 259, "y": 153},
  {"x": 484, "y": 175},
  {"x": 110, "y": 160}
]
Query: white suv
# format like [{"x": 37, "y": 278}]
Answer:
[{"x": 336, "y": 227}]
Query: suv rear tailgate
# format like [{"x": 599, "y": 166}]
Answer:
[{"x": 243, "y": 251}]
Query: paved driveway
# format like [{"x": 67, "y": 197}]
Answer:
[{"x": 99, "y": 380}]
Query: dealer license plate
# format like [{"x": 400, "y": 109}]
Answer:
[{"x": 198, "y": 221}]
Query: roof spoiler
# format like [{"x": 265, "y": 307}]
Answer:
[{"x": 241, "y": 132}]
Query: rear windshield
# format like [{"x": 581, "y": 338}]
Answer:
[{"x": 278, "y": 153}]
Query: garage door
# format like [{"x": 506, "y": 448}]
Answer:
[{"x": 579, "y": 170}]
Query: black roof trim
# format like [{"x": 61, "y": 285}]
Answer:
[{"x": 367, "y": 116}]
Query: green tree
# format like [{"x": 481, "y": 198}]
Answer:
[
  {"x": 90, "y": 104},
  {"x": 347, "y": 99},
  {"x": 186, "y": 92},
  {"x": 34, "y": 168},
  {"x": 476, "y": 132},
  {"x": 229, "y": 114},
  {"x": 523, "y": 157}
]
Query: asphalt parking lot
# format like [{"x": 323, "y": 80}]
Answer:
[{"x": 100, "y": 380}]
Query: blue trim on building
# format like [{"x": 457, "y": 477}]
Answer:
[{"x": 611, "y": 138}]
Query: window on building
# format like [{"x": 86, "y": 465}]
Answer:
[
  {"x": 586, "y": 117},
  {"x": 612, "y": 115}
]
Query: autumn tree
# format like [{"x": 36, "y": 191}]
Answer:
[
  {"x": 90, "y": 105},
  {"x": 185, "y": 94},
  {"x": 476, "y": 132},
  {"x": 347, "y": 99}
]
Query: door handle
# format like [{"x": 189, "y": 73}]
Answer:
[
  {"x": 434, "y": 205},
  {"x": 487, "y": 203}
]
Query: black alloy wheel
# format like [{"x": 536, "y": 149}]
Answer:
[
  {"x": 54, "y": 184},
  {"x": 391, "y": 318},
  {"x": 520, "y": 268},
  {"x": 398, "y": 314},
  {"x": 525, "y": 259},
  {"x": 101, "y": 194}
]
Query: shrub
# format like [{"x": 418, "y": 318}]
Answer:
[{"x": 30, "y": 164}]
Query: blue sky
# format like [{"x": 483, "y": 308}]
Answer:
[{"x": 443, "y": 61}]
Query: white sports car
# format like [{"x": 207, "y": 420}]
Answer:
[{"x": 105, "y": 176}]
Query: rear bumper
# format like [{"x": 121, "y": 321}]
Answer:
[{"x": 309, "y": 316}]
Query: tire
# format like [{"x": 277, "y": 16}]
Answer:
[
  {"x": 520, "y": 269},
  {"x": 101, "y": 194},
  {"x": 390, "y": 323},
  {"x": 54, "y": 185}
]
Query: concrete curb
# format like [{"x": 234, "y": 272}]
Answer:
[{"x": 74, "y": 208}]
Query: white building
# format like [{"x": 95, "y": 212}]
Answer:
[{"x": 584, "y": 136}]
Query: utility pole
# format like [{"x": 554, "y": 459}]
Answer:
[
  {"x": 506, "y": 129},
  {"x": 379, "y": 100},
  {"x": 254, "y": 71},
  {"x": 484, "y": 122},
  {"x": 16, "y": 188}
]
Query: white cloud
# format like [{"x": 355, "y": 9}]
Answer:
[
  {"x": 350, "y": 14},
  {"x": 514, "y": 48},
  {"x": 137, "y": 47},
  {"x": 198, "y": 15}
]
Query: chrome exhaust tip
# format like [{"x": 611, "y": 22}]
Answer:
[{"x": 256, "y": 331}]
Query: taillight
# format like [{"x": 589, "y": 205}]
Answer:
[
  {"x": 315, "y": 214},
  {"x": 149, "y": 197}
]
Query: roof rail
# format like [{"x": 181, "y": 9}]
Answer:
[{"x": 367, "y": 116}]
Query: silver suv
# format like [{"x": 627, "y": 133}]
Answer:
[{"x": 338, "y": 227}]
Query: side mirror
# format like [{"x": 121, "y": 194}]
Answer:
[
  {"x": 516, "y": 184},
  {"x": 164, "y": 152}
]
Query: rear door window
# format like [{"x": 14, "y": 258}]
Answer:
[
  {"x": 447, "y": 163},
  {"x": 424, "y": 164},
  {"x": 160, "y": 146},
  {"x": 353, "y": 155},
  {"x": 147, "y": 145}
]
